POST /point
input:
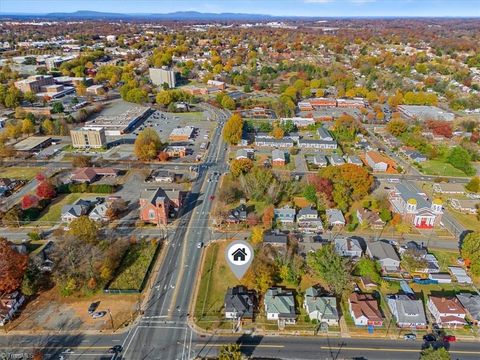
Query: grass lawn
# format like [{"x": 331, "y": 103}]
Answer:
[
  {"x": 54, "y": 211},
  {"x": 134, "y": 266},
  {"x": 216, "y": 277},
  {"x": 24, "y": 173},
  {"x": 446, "y": 258},
  {"x": 438, "y": 167},
  {"x": 467, "y": 220}
]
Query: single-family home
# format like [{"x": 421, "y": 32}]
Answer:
[
  {"x": 416, "y": 156},
  {"x": 414, "y": 208},
  {"x": 320, "y": 307},
  {"x": 348, "y": 247},
  {"x": 307, "y": 213},
  {"x": 278, "y": 157},
  {"x": 355, "y": 160},
  {"x": 285, "y": 215},
  {"x": 364, "y": 310},
  {"x": 471, "y": 304},
  {"x": 280, "y": 305},
  {"x": 237, "y": 214},
  {"x": 157, "y": 205},
  {"x": 385, "y": 254},
  {"x": 320, "y": 160},
  {"x": 370, "y": 218},
  {"x": 9, "y": 305},
  {"x": 99, "y": 213},
  {"x": 335, "y": 217},
  {"x": 378, "y": 162},
  {"x": 275, "y": 239},
  {"x": 162, "y": 176},
  {"x": 448, "y": 312},
  {"x": 240, "y": 303},
  {"x": 408, "y": 312},
  {"x": 74, "y": 211},
  {"x": 336, "y": 160},
  {"x": 91, "y": 174}
]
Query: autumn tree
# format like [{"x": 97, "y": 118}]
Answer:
[
  {"x": 29, "y": 201},
  {"x": 45, "y": 190},
  {"x": 228, "y": 103},
  {"x": 12, "y": 267},
  {"x": 397, "y": 127},
  {"x": 240, "y": 166},
  {"x": 277, "y": 132},
  {"x": 230, "y": 352},
  {"x": 80, "y": 161},
  {"x": 28, "y": 126},
  {"x": 84, "y": 229},
  {"x": 232, "y": 131},
  {"x": 322, "y": 185},
  {"x": 470, "y": 250},
  {"x": 163, "y": 156},
  {"x": 257, "y": 235},
  {"x": 147, "y": 145},
  {"x": 267, "y": 217},
  {"x": 474, "y": 185},
  {"x": 357, "y": 180}
]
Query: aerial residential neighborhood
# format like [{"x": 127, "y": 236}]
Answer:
[{"x": 337, "y": 143}]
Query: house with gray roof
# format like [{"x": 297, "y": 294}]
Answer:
[
  {"x": 324, "y": 134},
  {"x": 74, "y": 211},
  {"x": 240, "y": 303},
  {"x": 280, "y": 305},
  {"x": 471, "y": 303},
  {"x": 336, "y": 160},
  {"x": 335, "y": 217},
  {"x": 285, "y": 215},
  {"x": 278, "y": 143},
  {"x": 385, "y": 254},
  {"x": 275, "y": 239},
  {"x": 354, "y": 159},
  {"x": 321, "y": 307},
  {"x": 307, "y": 213},
  {"x": 408, "y": 312},
  {"x": 317, "y": 144},
  {"x": 320, "y": 160},
  {"x": 99, "y": 213},
  {"x": 348, "y": 247},
  {"x": 241, "y": 154}
]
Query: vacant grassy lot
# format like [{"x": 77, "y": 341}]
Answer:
[
  {"x": 438, "y": 167},
  {"x": 134, "y": 266},
  {"x": 216, "y": 277},
  {"x": 24, "y": 173},
  {"x": 467, "y": 220}
]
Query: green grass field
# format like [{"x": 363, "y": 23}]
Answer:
[
  {"x": 24, "y": 173},
  {"x": 438, "y": 167},
  {"x": 216, "y": 277},
  {"x": 54, "y": 211},
  {"x": 134, "y": 266}
]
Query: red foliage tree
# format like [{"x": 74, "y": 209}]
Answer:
[
  {"x": 267, "y": 219},
  {"x": 442, "y": 128},
  {"x": 163, "y": 156},
  {"x": 252, "y": 219},
  {"x": 12, "y": 267},
  {"x": 322, "y": 185},
  {"x": 45, "y": 190},
  {"x": 40, "y": 177},
  {"x": 29, "y": 201}
]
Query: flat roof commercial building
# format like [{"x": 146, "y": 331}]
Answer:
[
  {"x": 34, "y": 83},
  {"x": 88, "y": 138},
  {"x": 424, "y": 112},
  {"x": 33, "y": 144},
  {"x": 182, "y": 134}
]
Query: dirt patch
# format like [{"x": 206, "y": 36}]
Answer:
[{"x": 50, "y": 311}]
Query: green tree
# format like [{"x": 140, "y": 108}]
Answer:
[
  {"x": 331, "y": 267},
  {"x": 435, "y": 354},
  {"x": 411, "y": 262},
  {"x": 232, "y": 131},
  {"x": 369, "y": 268},
  {"x": 228, "y": 103},
  {"x": 459, "y": 158},
  {"x": 230, "y": 352},
  {"x": 474, "y": 185},
  {"x": 470, "y": 251},
  {"x": 57, "y": 107},
  {"x": 310, "y": 194},
  {"x": 147, "y": 145},
  {"x": 164, "y": 98},
  {"x": 84, "y": 229},
  {"x": 30, "y": 97},
  {"x": 13, "y": 97}
]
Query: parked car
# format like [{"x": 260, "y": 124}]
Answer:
[
  {"x": 200, "y": 245},
  {"x": 410, "y": 337},
  {"x": 93, "y": 306},
  {"x": 98, "y": 314}
]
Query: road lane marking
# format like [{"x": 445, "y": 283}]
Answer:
[
  {"x": 388, "y": 349},
  {"x": 241, "y": 345}
]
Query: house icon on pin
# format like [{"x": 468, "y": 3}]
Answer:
[{"x": 239, "y": 254}]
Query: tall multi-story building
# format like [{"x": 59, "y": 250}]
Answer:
[
  {"x": 34, "y": 83},
  {"x": 160, "y": 76},
  {"x": 88, "y": 138}
]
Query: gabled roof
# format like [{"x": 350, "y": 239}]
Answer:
[
  {"x": 365, "y": 305},
  {"x": 471, "y": 302},
  {"x": 239, "y": 300},
  {"x": 280, "y": 301},
  {"x": 335, "y": 216},
  {"x": 381, "y": 250},
  {"x": 326, "y": 305}
]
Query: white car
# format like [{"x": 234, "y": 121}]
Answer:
[{"x": 98, "y": 314}]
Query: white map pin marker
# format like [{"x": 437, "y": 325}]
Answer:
[{"x": 239, "y": 255}]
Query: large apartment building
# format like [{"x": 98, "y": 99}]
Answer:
[
  {"x": 88, "y": 138},
  {"x": 34, "y": 83},
  {"x": 162, "y": 76}
]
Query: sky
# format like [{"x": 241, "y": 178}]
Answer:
[{"x": 334, "y": 8}]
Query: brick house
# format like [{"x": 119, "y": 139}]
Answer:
[
  {"x": 157, "y": 205},
  {"x": 278, "y": 158}
]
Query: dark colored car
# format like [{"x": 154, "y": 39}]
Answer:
[
  {"x": 429, "y": 337},
  {"x": 93, "y": 306},
  {"x": 115, "y": 349}
]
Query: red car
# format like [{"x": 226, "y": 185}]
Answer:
[
  {"x": 212, "y": 197},
  {"x": 449, "y": 338}
]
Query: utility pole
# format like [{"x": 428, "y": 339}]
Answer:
[{"x": 111, "y": 320}]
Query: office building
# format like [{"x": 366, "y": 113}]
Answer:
[
  {"x": 162, "y": 76},
  {"x": 88, "y": 138}
]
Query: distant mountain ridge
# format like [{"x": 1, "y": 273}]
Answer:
[{"x": 178, "y": 15}]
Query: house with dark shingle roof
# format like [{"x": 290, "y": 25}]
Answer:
[{"x": 240, "y": 303}]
